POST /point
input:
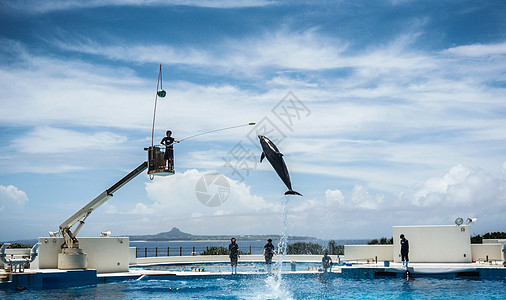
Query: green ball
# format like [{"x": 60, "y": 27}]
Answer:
[{"x": 161, "y": 93}]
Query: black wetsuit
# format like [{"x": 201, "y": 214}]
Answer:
[
  {"x": 169, "y": 148},
  {"x": 326, "y": 261},
  {"x": 234, "y": 253},
  {"x": 404, "y": 250},
  {"x": 269, "y": 252}
]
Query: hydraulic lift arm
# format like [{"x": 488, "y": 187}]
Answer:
[{"x": 81, "y": 215}]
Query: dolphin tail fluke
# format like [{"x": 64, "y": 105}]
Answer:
[{"x": 292, "y": 192}]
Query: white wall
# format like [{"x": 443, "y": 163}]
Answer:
[
  {"x": 368, "y": 252},
  {"x": 105, "y": 254},
  {"x": 133, "y": 255},
  {"x": 492, "y": 250},
  {"x": 434, "y": 243}
]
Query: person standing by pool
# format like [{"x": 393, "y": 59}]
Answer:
[
  {"x": 404, "y": 250},
  {"x": 326, "y": 262},
  {"x": 268, "y": 253},
  {"x": 234, "y": 254}
]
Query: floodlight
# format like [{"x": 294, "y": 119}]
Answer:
[{"x": 471, "y": 220}]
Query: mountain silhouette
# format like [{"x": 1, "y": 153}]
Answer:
[{"x": 173, "y": 235}]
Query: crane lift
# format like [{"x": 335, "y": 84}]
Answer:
[{"x": 73, "y": 257}]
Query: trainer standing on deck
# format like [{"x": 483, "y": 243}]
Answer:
[
  {"x": 404, "y": 250},
  {"x": 268, "y": 253},
  {"x": 168, "y": 141},
  {"x": 326, "y": 262},
  {"x": 234, "y": 254}
]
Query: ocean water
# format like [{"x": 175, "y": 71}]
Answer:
[{"x": 266, "y": 287}]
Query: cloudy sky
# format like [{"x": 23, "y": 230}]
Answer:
[{"x": 387, "y": 112}]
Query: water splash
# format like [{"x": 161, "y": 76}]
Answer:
[
  {"x": 275, "y": 289},
  {"x": 283, "y": 242},
  {"x": 275, "y": 284}
]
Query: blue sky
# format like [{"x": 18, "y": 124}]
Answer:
[{"x": 387, "y": 112}]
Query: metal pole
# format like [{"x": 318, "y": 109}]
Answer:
[
  {"x": 181, "y": 251},
  {"x": 156, "y": 251},
  {"x": 145, "y": 252},
  {"x": 168, "y": 251}
]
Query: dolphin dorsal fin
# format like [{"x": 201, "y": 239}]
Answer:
[{"x": 262, "y": 157}]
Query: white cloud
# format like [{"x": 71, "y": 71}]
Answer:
[
  {"x": 462, "y": 192},
  {"x": 11, "y": 198},
  {"x": 172, "y": 201},
  {"x": 38, "y": 167},
  {"x": 175, "y": 196},
  {"x": 61, "y": 93},
  {"x": 142, "y": 209},
  {"x": 334, "y": 197},
  {"x": 478, "y": 50},
  {"x": 57, "y": 140},
  {"x": 283, "y": 49},
  {"x": 461, "y": 189},
  {"x": 41, "y": 7},
  {"x": 360, "y": 199}
]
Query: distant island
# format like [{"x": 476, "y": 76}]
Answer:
[{"x": 177, "y": 235}]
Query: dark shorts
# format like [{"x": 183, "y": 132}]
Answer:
[
  {"x": 268, "y": 259},
  {"x": 404, "y": 257},
  {"x": 233, "y": 260}
]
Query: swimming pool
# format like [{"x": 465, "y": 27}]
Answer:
[{"x": 308, "y": 286}]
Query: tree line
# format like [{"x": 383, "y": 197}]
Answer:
[
  {"x": 478, "y": 239},
  {"x": 296, "y": 248}
]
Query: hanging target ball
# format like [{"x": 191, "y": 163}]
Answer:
[{"x": 161, "y": 93}]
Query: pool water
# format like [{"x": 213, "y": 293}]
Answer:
[
  {"x": 241, "y": 267},
  {"x": 309, "y": 286}
]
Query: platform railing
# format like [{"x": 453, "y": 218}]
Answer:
[{"x": 185, "y": 251}]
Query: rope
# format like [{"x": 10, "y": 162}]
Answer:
[
  {"x": 158, "y": 85},
  {"x": 226, "y": 128}
]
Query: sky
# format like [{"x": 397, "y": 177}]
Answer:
[{"x": 388, "y": 113}]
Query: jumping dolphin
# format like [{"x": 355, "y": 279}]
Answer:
[{"x": 276, "y": 159}]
